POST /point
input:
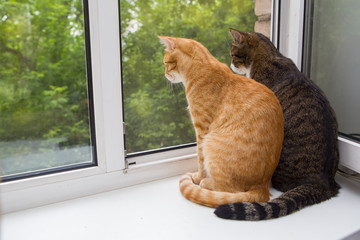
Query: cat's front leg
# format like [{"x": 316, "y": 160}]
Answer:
[{"x": 201, "y": 173}]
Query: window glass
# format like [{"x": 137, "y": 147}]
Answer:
[
  {"x": 156, "y": 112},
  {"x": 335, "y": 58},
  {"x": 44, "y": 103}
]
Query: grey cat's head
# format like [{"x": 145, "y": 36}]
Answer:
[{"x": 247, "y": 48}]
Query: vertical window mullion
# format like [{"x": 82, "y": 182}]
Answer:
[
  {"x": 105, "y": 46},
  {"x": 291, "y": 30}
]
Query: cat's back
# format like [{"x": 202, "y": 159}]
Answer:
[
  {"x": 293, "y": 88},
  {"x": 282, "y": 76},
  {"x": 246, "y": 111},
  {"x": 310, "y": 152},
  {"x": 249, "y": 99},
  {"x": 301, "y": 100}
]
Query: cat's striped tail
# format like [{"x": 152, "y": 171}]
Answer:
[
  {"x": 289, "y": 202},
  {"x": 210, "y": 198}
]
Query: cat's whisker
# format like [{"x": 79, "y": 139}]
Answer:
[
  {"x": 179, "y": 87},
  {"x": 229, "y": 41},
  {"x": 169, "y": 86}
]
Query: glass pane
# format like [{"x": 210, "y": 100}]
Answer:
[
  {"x": 156, "y": 112},
  {"x": 335, "y": 58},
  {"x": 44, "y": 106}
]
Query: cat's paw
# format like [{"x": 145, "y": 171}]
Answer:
[
  {"x": 207, "y": 183},
  {"x": 196, "y": 178}
]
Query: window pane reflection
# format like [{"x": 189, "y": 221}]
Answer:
[{"x": 335, "y": 58}]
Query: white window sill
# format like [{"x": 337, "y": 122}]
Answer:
[
  {"x": 156, "y": 210},
  {"x": 48, "y": 189}
]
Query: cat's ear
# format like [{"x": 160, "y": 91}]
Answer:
[
  {"x": 237, "y": 36},
  {"x": 169, "y": 42}
]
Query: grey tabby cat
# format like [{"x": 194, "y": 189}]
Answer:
[{"x": 310, "y": 156}]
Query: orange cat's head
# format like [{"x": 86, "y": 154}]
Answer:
[
  {"x": 177, "y": 52},
  {"x": 180, "y": 55}
]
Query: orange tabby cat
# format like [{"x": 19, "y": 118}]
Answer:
[{"x": 238, "y": 123}]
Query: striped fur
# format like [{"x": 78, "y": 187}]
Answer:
[
  {"x": 209, "y": 198},
  {"x": 238, "y": 124},
  {"x": 289, "y": 202},
  {"x": 310, "y": 156}
]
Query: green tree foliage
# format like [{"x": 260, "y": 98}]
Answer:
[
  {"x": 155, "y": 112},
  {"x": 43, "y": 91}
]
